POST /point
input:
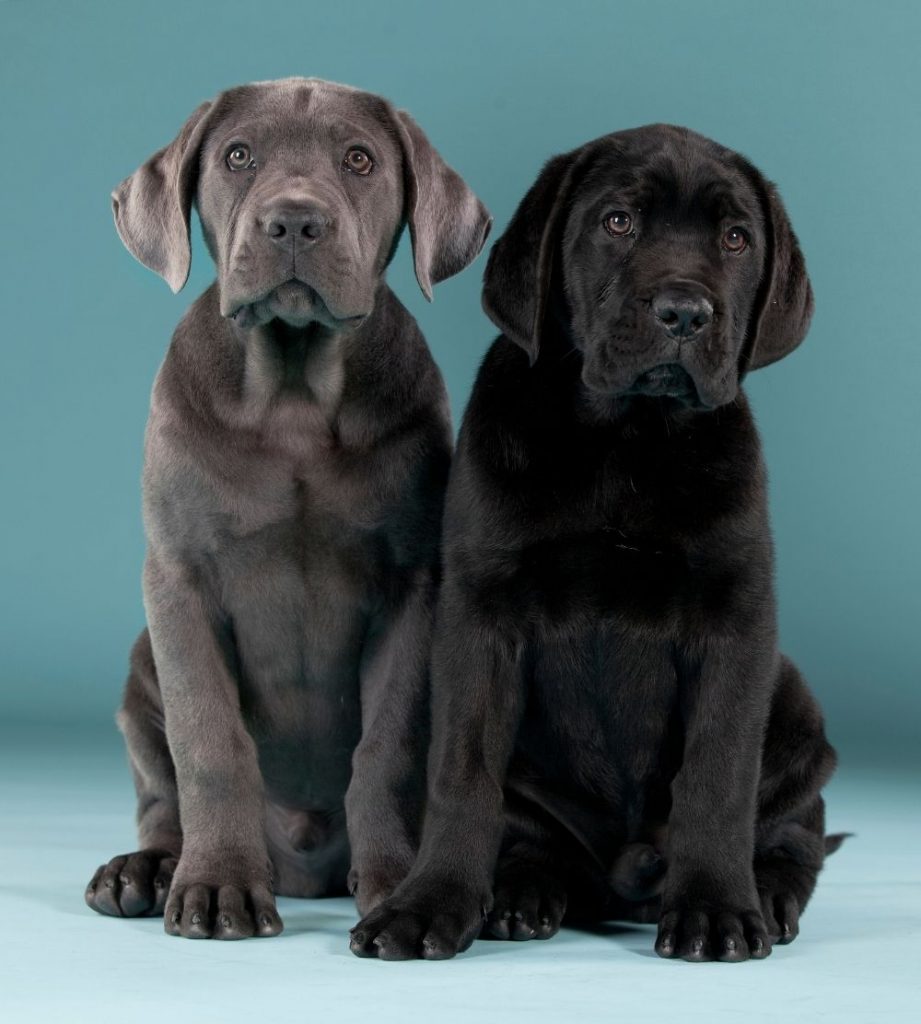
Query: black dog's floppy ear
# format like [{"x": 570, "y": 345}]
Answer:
[
  {"x": 784, "y": 308},
  {"x": 447, "y": 223},
  {"x": 152, "y": 207},
  {"x": 517, "y": 279}
]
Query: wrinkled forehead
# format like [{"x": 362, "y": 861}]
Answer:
[
  {"x": 302, "y": 113},
  {"x": 661, "y": 173}
]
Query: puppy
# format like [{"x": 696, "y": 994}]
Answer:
[
  {"x": 296, "y": 456},
  {"x": 615, "y": 730}
]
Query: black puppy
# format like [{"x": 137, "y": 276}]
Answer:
[{"x": 609, "y": 698}]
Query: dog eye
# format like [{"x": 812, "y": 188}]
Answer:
[
  {"x": 239, "y": 158},
  {"x": 735, "y": 240},
  {"x": 358, "y": 162},
  {"x": 618, "y": 223}
]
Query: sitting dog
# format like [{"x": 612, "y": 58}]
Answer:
[
  {"x": 614, "y": 729},
  {"x": 296, "y": 456}
]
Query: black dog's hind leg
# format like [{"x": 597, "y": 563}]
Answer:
[
  {"x": 529, "y": 894},
  {"x": 530, "y": 888},
  {"x": 135, "y": 884},
  {"x": 790, "y": 842}
]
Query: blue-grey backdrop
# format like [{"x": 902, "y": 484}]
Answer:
[{"x": 824, "y": 96}]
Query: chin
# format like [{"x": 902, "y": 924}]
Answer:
[
  {"x": 294, "y": 303},
  {"x": 668, "y": 383}
]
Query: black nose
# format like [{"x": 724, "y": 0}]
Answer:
[
  {"x": 682, "y": 315},
  {"x": 304, "y": 223}
]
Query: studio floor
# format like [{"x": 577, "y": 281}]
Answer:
[{"x": 67, "y": 805}]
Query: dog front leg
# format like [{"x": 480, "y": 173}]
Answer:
[
  {"x": 710, "y": 905},
  {"x": 222, "y": 884},
  {"x": 477, "y": 685},
  {"x": 386, "y": 794}
]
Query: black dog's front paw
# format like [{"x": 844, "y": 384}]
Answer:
[
  {"x": 132, "y": 884},
  {"x": 528, "y": 903},
  {"x": 200, "y": 908},
  {"x": 431, "y": 921},
  {"x": 701, "y": 933}
]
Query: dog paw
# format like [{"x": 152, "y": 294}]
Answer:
[
  {"x": 638, "y": 872},
  {"x": 132, "y": 884},
  {"x": 199, "y": 909},
  {"x": 371, "y": 888},
  {"x": 699, "y": 933},
  {"x": 784, "y": 888},
  {"x": 428, "y": 921},
  {"x": 780, "y": 909},
  {"x": 528, "y": 903}
]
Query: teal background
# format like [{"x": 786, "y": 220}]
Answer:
[{"x": 824, "y": 96}]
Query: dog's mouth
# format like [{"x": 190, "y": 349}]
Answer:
[
  {"x": 666, "y": 381},
  {"x": 294, "y": 302}
]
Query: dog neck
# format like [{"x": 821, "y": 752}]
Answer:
[{"x": 280, "y": 361}]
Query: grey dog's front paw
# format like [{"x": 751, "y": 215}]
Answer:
[
  {"x": 132, "y": 884},
  {"x": 207, "y": 909}
]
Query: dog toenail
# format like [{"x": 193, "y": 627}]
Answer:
[
  {"x": 225, "y": 921},
  {"x": 196, "y": 918}
]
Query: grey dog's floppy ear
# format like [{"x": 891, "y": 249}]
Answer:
[
  {"x": 152, "y": 207},
  {"x": 517, "y": 279},
  {"x": 447, "y": 223},
  {"x": 784, "y": 306}
]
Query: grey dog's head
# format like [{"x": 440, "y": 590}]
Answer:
[
  {"x": 669, "y": 259},
  {"x": 303, "y": 188}
]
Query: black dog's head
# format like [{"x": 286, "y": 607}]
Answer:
[
  {"x": 303, "y": 187},
  {"x": 669, "y": 258}
]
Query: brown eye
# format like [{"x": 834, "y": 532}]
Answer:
[
  {"x": 239, "y": 158},
  {"x": 618, "y": 223},
  {"x": 735, "y": 240},
  {"x": 358, "y": 161}
]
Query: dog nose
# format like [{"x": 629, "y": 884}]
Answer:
[
  {"x": 682, "y": 316},
  {"x": 306, "y": 223}
]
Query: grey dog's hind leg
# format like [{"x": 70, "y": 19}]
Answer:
[{"x": 135, "y": 884}]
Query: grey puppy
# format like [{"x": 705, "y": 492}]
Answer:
[{"x": 296, "y": 455}]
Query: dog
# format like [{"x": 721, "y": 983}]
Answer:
[
  {"x": 615, "y": 733},
  {"x": 295, "y": 462}
]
